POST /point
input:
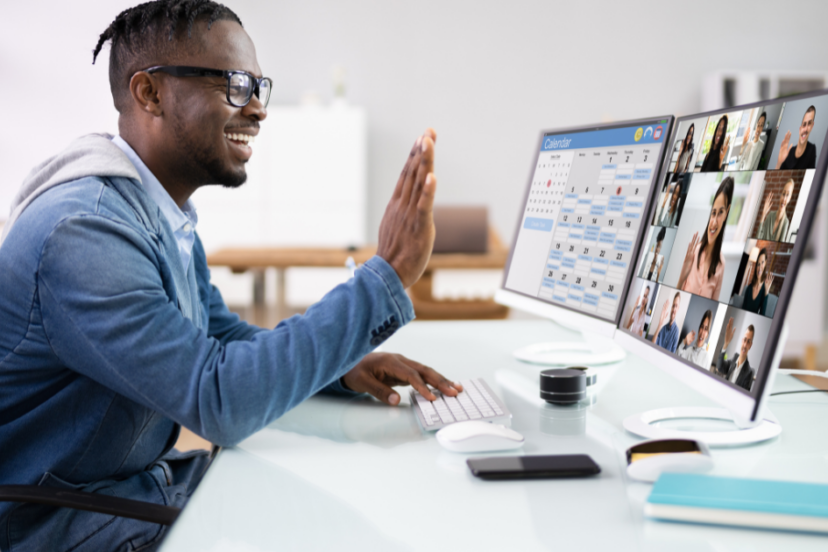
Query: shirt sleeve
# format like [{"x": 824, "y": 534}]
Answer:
[{"x": 110, "y": 318}]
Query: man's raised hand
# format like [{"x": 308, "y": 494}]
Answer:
[{"x": 406, "y": 234}]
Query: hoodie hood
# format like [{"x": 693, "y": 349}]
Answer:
[{"x": 90, "y": 155}]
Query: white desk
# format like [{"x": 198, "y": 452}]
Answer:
[{"x": 341, "y": 475}]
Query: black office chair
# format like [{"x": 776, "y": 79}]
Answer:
[{"x": 91, "y": 502}]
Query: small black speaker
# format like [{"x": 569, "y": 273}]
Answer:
[{"x": 565, "y": 386}]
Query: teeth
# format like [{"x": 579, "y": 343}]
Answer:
[{"x": 247, "y": 139}]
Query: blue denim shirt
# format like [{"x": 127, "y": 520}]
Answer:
[{"x": 99, "y": 364}]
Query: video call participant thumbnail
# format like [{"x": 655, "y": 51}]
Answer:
[
  {"x": 638, "y": 315},
  {"x": 736, "y": 368},
  {"x": 685, "y": 151},
  {"x": 670, "y": 215},
  {"x": 654, "y": 261},
  {"x": 692, "y": 347},
  {"x": 666, "y": 335},
  {"x": 718, "y": 148},
  {"x": 752, "y": 148},
  {"x": 754, "y": 294},
  {"x": 775, "y": 224},
  {"x": 703, "y": 268},
  {"x": 803, "y": 156}
]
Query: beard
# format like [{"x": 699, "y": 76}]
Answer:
[{"x": 202, "y": 164}]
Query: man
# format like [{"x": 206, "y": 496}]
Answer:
[
  {"x": 695, "y": 353},
  {"x": 111, "y": 336},
  {"x": 803, "y": 156},
  {"x": 666, "y": 335},
  {"x": 639, "y": 311},
  {"x": 737, "y": 370},
  {"x": 654, "y": 261}
]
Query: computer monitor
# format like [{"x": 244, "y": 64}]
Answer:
[
  {"x": 725, "y": 236},
  {"x": 582, "y": 217}
]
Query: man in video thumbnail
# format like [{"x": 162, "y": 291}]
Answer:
[
  {"x": 695, "y": 353},
  {"x": 667, "y": 336},
  {"x": 803, "y": 156},
  {"x": 737, "y": 370},
  {"x": 636, "y": 322}
]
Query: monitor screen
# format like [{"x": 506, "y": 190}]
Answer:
[
  {"x": 724, "y": 235},
  {"x": 583, "y": 215}
]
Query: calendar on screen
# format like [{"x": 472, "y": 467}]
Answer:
[{"x": 585, "y": 207}]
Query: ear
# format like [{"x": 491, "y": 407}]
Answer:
[{"x": 145, "y": 92}]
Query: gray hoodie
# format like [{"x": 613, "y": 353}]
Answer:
[{"x": 93, "y": 154}]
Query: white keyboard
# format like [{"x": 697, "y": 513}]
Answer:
[{"x": 476, "y": 402}]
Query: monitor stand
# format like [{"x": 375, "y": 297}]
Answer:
[{"x": 744, "y": 433}]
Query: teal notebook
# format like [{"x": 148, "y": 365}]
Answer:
[{"x": 741, "y": 502}]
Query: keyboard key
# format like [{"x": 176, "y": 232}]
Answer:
[{"x": 446, "y": 417}]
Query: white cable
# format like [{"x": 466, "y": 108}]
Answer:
[{"x": 792, "y": 372}]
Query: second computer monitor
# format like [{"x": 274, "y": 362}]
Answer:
[{"x": 724, "y": 239}]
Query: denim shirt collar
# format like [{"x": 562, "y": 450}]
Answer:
[{"x": 182, "y": 221}]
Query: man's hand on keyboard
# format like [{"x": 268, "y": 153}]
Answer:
[{"x": 378, "y": 372}]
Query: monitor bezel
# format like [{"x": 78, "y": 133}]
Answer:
[
  {"x": 737, "y": 400},
  {"x": 566, "y": 310}
]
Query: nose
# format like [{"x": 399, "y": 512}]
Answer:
[{"x": 254, "y": 109}]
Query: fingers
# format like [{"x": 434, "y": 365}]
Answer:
[
  {"x": 409, "y": 171},
  {"x": 411, "y": 163},
  {"x": 426, "y": 202},
  {"x": 398, "y": 189},
  {"x": 437, "y": 380},
  {"x": 383, "y": 392},
  {"x": 425, "y": 169}
]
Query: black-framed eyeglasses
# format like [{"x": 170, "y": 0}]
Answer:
[{"x": 241, "y": 85}]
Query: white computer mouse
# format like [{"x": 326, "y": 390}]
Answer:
[
  {"x": 475, "y": 436},
  {"x": 649, "y": 469}
]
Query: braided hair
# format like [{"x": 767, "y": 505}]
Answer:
[{"x": 137, "y": 38}]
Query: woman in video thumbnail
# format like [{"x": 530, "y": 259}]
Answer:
[
  {"x": 704, "y": 265},
  {"x": 686, "y": 151},
  {"x": 775, "y": 224},
  {"x": 654, "y": 263},
  {"x": 670, "y": 217},
  {"x": 694, "y": 352},
  {"x": 715, "y": 157},
  {"x": 804, "y": 155},
  {"x": 752, "y": 149},
  {"x": 754, "y": 294}
]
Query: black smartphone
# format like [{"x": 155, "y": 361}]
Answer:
[{"x": 533, "y": 467}]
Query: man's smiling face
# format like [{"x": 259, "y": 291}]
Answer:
[{"x": 204, "y": 137}]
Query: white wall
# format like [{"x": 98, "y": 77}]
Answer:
[{"x": 486, "y": 74}]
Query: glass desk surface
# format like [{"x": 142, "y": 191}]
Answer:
[{"x": 355, "y": 474}]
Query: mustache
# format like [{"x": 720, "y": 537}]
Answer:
[{"x": 252, "y": 124}]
